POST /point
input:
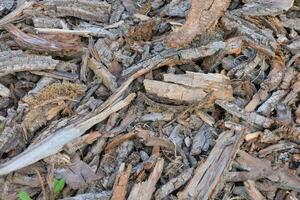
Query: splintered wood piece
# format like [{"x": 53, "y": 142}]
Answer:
[
  {"x": 282, "y": 145},
  {"x": 120, "y": 140},
  {"x": 271, "y": 83},
  {"x": 289, "y": 75},
  {"x": 245, "y": 28},
  {"x": 292, "y": 95},
  {"x": 103, "y": 73},
  {"x": 121, "y": 182},
  {"x": 174, "y": 91},
  {"x": 202, "y": 51},
  {"x": 161, "y": 116},
  {"x": 174, "y": 184},
  {"x": 150, "y": 140},
  {"x": 53, "y": 143},
  {"x": 208, "y": 176},
  {"x": 205, "y": 117},
  {"x": 14, "y": 15},
  {"x": 250, "y": 117},
  {"x": 252, "y": 191},
  {"x": 18, "y": 61},
  {"x": 269, "y": 105},
  {"x": 252, "y": 136},
  {"x": 83, "y": 33},
  {"x": 84, "y": 9},
  {"x": 57, "y": 75},
  {"x": 284, "y": 178},
  {"x": 218, "y": 84},
  {"x": 144, "y": 190},
  {"x": 202, "y": 16},
  {"x": 53, "y": 44}
]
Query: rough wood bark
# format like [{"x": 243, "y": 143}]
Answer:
[
  {"x": 174, "y": 91},
  {"x": 252, "y": 191},
  {"x": 174, "y": 184},
  {"x": 11, "y": 17},
  {"x": 249, "y": 117},
  {"x": 102, "y": 72},
  {"x": 217, "y": 84},
  {"x": 18, "y": 61},
  {"x": 84, "y": 9},
  {"x": 67, "y": 46},
  {"x": 202, "y": 16},
  {"x": 144, "y": 190},
  {"x": 209, "y": 174}
]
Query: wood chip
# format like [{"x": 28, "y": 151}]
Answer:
[
  {"x": 209, "y": 175},
  {"x": 138, "y": 190},
  {"x": 202, "y": 16},
  {"x": 18, "y": 61}
]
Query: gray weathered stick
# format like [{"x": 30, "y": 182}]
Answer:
[{"x": 55, "y": 142}]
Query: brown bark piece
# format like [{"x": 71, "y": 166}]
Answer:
[
  {"x": 209, "y": 175},
  {"x": 202, "y": 16},
  {"x": 144, "y": 190},
  {"x": 120, "y": 140},
  {"x": 252, "y": 191},
  {"x": 55, "y": 142},
  {"x": 121, "y": 182},
  {"x": 102, "y": 72},
  {"x": 52, "y": 44}
]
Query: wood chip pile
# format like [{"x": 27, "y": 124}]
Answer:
[{"x": 150, "y": 99}]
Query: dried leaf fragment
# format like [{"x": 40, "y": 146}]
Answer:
[
  {"x": 57, "y": 91},
  {"x": 202, "y": 16},
  {"x": 49, "y": 103}
]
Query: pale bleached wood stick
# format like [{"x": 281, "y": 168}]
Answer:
[{"x": 55, "y": 142}]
